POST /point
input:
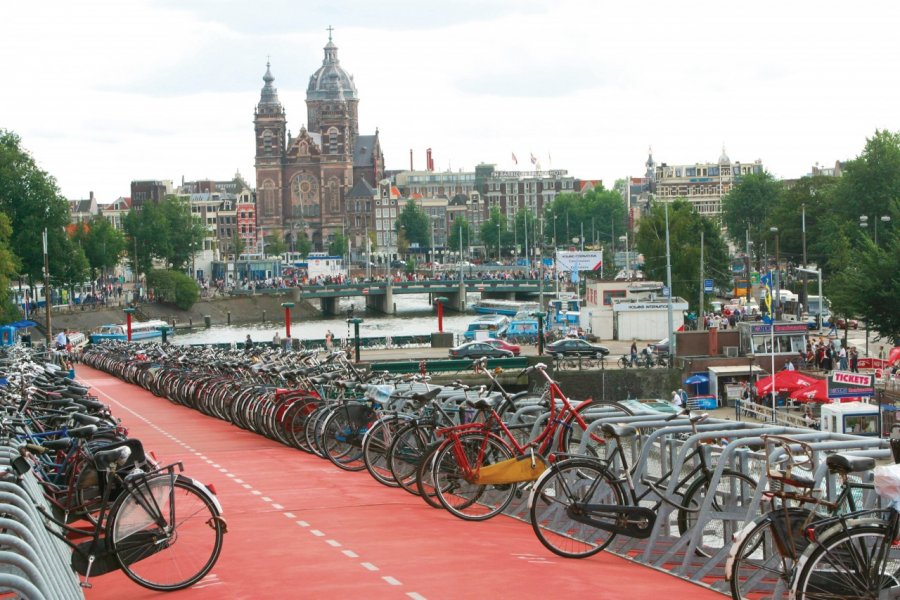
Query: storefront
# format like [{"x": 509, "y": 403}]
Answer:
[{"x": 727, "y": 382}]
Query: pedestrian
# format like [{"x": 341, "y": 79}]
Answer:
[
  {"x": 276, "y": 341},
  {"x": 62, "y": 339},
  {"x": 683, "y": 395},
  {"x": 854, "y": 360},
  {"x": 633, "y": 352},
  {"x": 842, "y": 358},
  {"x": 676, "y": 399},
  {"x": 789, "y": 366},
  {"x": 329, "y": 341},
  {"x": 808, "y": 419},
  {"x": 248, "y": 343}
]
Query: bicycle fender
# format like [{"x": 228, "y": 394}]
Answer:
[{"x": 203, "y": 490}]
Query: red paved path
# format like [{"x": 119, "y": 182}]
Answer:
[{"x": 302, "y": 528}]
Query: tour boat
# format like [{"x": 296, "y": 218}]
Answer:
[
  {"x": 492, "y": 326},
  {"x": 504, "y": 307},
  {"x": 140, "y": 331}
]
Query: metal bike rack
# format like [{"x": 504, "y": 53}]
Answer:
[{"x": 33, "y": 563}]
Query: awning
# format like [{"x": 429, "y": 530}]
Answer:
[
  {"x": 21, "y": 324},
  {"x": 737, "y": 370}
]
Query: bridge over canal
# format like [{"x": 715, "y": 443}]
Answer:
[{"x": 379, "y": 295}]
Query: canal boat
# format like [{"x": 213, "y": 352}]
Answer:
[
  {"x": 504, "y": 307},
  {"x": 140, "y": 331},
  {"x": 487, "y": 326}
]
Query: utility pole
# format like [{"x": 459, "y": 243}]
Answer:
[
  {"x": 700, "y": 304},
  {"x": 48, "y": 295},
  {"x": 672, "y": 340},
  {"x": 803, "y": 295},
  {"x": 747, "y": 266}
]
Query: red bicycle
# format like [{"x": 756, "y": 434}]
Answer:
[{"x": 476, "y": 470}]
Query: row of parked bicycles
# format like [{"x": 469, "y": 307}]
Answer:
[
  {"x": 96, "y": 490},
  {"x": 587, "y": 476}
]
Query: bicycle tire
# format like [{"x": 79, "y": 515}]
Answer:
[
  {"x": 844, "y": 565},
  {"x": 341, "y": 441},
  {"x": 377, "y": 444},
  {"x": 762, "y": 562},
  {"x": 463, "y": 499},
  {"x": 187, "y": 553},
  {"x": 425, "y": 478},
  {"x": 733, "y": 496},
  {"x": 576, "y": 480},
  {"x": 407, "y": 451}
]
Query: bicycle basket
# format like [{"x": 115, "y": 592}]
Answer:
[
  {"x": 887, "y": 482},
  {"x": 789, "y": 463},
  {"x": 513, "y": 470}
]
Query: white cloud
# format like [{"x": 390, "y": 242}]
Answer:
[{"x": 104, "y": 92}]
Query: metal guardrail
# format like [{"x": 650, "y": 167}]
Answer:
[{"x": 33, "y": 564}]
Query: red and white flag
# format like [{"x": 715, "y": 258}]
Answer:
[{"x": 515, "y": 160}]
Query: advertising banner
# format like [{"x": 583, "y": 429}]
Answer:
[
  {"x": 579, "y": 261},
  {"x": 842, "y": 384}
]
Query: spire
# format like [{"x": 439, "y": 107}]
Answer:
[{"x": 268, "y": 98}]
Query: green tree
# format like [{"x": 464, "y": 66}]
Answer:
[
  {"x": 166, "y": 231},
  {"x": 414, "y": 224},
  {"x": 102, "y": 243},
  {"x": 31, "y": 200},
  {"x": 274, "y": 245},
  {"x": 685, "y": 226},
  {"x": 750, "y": 206},
  {"x": 460, "y": 226},
  {"x": 9, "y": 267},
  {"x": 338, "y": 245},
  {"x": 493, "y": 231},
  {"x": 600, "y": 213},
  {"x": 870, "y": 184},
  {"x": 186, "y": 233},
  {"x": 173, "y": 287},
  {"x": 302, "y": 244}
]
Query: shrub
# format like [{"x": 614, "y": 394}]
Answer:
[{"x": 173, "y": 287}]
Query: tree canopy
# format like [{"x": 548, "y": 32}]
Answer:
[
  {"x": 166, "y": 231},
  {"x": 413, "y": 225},
  {"x": 599, "y": 213},
  {"x": 685, "y": 226}
]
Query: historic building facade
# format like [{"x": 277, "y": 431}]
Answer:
[{"x": 303, "y": 182}]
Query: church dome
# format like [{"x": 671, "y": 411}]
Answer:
[{"x": 330, "y": 81}]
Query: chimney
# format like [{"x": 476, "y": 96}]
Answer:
[
  {"x": 91, "y": 196},
  {"x": 411, "y": 160},
  {"x": 429, "y": 162},
  {"x": 712, "y": 342}
]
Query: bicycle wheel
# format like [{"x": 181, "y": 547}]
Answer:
[
  {"x": 425, "y": 477},
  {"x": 558, "y": 498},
  {"x": 166, "y": 536},
  {"x": 730, "y": 504},
  {"x": 341, "y": 440},
  {"x": 376, "y": 445},
  {"x": 855, "y": 563},
  {"x": 762, "y": 561},
  {"x": 407, "y": 451},
  {"x": 464, "y": 499}
]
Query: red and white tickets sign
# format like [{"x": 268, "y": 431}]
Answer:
[{"x": 842, "y": 384}]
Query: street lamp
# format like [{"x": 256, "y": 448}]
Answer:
[
  {"x": 498, "y": 241},
  {"x": 864, "y": 223}
]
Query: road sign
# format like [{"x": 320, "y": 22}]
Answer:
[
  {"x": 708, "y": 285},
  {"x": 665, "y": 291}
]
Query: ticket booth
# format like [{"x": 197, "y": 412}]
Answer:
[{"x": 856, "y": 418}]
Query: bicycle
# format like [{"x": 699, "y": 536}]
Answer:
[
  {"x": 476, "y": 469},
  {"x": 163, "y": 530},
  {"x": 580, "y": 504},
  {"x": 763, "y": 556}
]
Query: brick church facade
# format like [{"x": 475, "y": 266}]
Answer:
[{"x": 303, "y": 181}]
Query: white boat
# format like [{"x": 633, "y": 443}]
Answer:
[
  {"x": 491, "y": 326},
  {"x": 140, "y": 331},
  {"x": 504, "y": 307}
]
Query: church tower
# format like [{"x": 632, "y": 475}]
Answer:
[{"x": 270, "y": 124}]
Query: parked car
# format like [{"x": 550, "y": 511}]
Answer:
[
  {"x": 847, "y": 323},
  {"x": 660, "y": 347},
  {"x": 477, "y": 350},
  {"x": 398, "y": 264},
  {"x": 503, "y": 344},
  {"x": 575, "y": 347}
]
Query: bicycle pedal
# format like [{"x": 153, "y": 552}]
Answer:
[{"x": 86, "y": 585}]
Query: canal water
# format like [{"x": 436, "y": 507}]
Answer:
[{"x": 412, "y": 318}]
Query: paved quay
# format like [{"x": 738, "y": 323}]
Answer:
[{"x": 299, "y": 527}]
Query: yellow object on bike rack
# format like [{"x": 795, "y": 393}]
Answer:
[{"x": 513, "y": 470}]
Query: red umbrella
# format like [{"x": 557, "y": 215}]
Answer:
[
  {"x": 817, "y": 392},
  {"x": 785, "y": 381}
]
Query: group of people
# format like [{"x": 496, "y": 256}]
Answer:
[{"x": 825, "y": 355}]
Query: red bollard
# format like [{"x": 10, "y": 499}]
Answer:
[
  {"x": 128, "y": 313},
  {"x": 440, "y": 307},
  {"x": 287, "y": 317}
]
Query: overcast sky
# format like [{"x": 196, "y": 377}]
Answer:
[{"x": 105, "y": 92}]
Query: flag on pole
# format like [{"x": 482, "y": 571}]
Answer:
[
  {"x": 766, "y": 282},
  {"x": 533, "y": 158},
  {"x": 515, "y": 160}
]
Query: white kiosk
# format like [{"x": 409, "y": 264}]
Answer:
[{"x": 857, "y": 418}]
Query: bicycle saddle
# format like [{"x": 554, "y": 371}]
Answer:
[
  {"x": 424, "y": 396},
  {"x": 848, "y": 463},
  {"x": 105, "y": 458},
  {"x": 617, "y": 431},
  {"x": 85, "y": 419},
  {"x": 83, "y": 432}
]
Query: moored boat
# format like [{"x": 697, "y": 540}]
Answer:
[
  {"x": 140, "y": 331},
  {"x": 503, "y": 307}
]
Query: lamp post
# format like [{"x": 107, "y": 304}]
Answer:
[
  {"x": 498, "y": 241},
  {"x": 540, "y": 333},
  {"x": 864, "y": 223},
  {"x": 355, "y": 321},
  {"x": 432, "y": 246}
]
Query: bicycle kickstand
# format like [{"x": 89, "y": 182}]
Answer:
[{"x": 87, "y": 574}]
